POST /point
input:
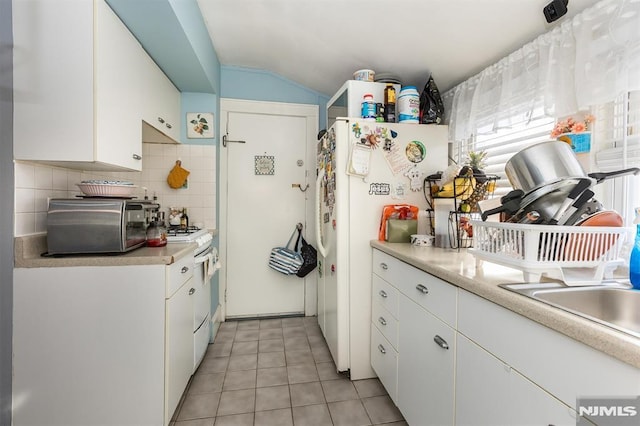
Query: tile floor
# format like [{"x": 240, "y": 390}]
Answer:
[{"x": 279, "y": 372}]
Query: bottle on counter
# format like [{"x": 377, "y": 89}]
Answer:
[
  {"x": 634, "y": 261},
  {"x": 389, "y": 103},
  {"x": 184, "y": 219},
  {"x": 368, "y": 107}
]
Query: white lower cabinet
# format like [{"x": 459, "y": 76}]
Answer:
[
  {"x": 490, "y": 392},
  {"x": 462, "y": 360},
  {"x": 101, "y": 345},
  {"x": 426, "y": 361}
]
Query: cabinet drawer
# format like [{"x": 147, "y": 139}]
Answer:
[
  {"x": 178, "y": 273},
  {"x": 433, "y": 294},
  {"x": 385, "y": 294},
  {"x": 386, "y": 323},
  {"x": 384, "y": 360}
]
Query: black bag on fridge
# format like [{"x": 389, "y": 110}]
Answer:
[
  {"x": 309, "y": 255},
  {"x": 285, "y": 260}
]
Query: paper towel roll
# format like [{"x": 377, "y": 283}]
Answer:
[{"x": 442, "y": 207}]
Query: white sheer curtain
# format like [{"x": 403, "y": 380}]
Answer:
[{"x": 586, "y": 61}]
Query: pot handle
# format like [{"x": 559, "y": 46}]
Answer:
[{"x": 600, "y": 176}]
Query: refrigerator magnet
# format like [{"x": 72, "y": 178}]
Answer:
[
  {"x": 415, "y": 151},
  {"x": 415, "y": 178},
  {"x": 359, "y": 160}
]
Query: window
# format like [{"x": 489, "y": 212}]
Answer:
[{"x": 501, "y": 145}]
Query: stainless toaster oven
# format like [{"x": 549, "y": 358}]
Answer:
[{"x": 97, "y": 225}]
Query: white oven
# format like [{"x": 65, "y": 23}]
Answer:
[{"x": 206, "y": 256}]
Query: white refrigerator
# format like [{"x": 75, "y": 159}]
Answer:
[{"x": 362, "y": 166}]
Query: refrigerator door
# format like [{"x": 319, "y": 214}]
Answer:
[{"x": 402, "y": 155}]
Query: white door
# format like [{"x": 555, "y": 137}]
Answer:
[{"x": 261, "y": 203}]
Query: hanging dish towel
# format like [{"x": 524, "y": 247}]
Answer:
[{"x": 177, "y": 176}]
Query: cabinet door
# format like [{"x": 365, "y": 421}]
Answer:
[
  {"x": 426, "y": 356},
  {"x": 384, "y": 360},
  {"x": 161, "y": 101},
  {"x": 179, "y": 347},
  {"x": 489, "y": 392},
  {"x": 117, "y": 92}
]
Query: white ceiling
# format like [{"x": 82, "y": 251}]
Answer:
[{"x": 320, "y": 43}]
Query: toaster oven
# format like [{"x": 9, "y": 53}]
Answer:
[{"x": 97, "y": 225}]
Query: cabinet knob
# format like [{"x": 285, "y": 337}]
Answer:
[
  {"x": 383, "y": 293},
  {"x": 441, "y": 342},
  {"x": 137, "y": 157},
  {"x": 422, "y": 289},
  {"x": 169, "y": 126},
  {"x": 184, "y": 270},
  {"x": 384, "y": 266},
  {"x": 161, "y": 120},
  {"x": 382, "y": 349},
  {"x": 191, "y": 291},
  {"x": 382, "y": 321}
]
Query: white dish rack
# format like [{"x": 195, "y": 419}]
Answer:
[{"x": 577, "y": 255}]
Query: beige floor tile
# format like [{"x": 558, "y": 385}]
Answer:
[
  {"x": 240, "y": 348},
  {"x": 206, "y": 383},
  {"x": 198, "y": 422},
  {"x": 327, "y": 371},
  {"x": 299, "y": 357},
  {"x": 294, "y": 332},
  {"x": 302, "y": 373},
  {"x": 243, "y": 362},
  {"x": 322, "y": 355},
  {"x": 271, "y": 323},
  {"x": 249, "y": 325},
  {"x": 225, "y": 336},
  {"x": 311, "y": 321},
  {"x": 272, "y": 398},
  {"x": 339, "y": 390},
  {"x": 237, "y": 402},
  {"x": 312, "y": 415},
  {"x": 271, "y": 345},
  {"x": 369, "y": 387},
  {"x": 246, "y": 335},
  {"x": 271, "y": 359},
  {"x": 313, "y": 330},
  {"x": 220, "y": 349},
  {"x": 293, "y": 322},
  {"x": 199, "y": 406},
  {"x": 298, "y": 343},
  {"x": 348, "y": 413},
  {"x": 317, "y": 342},
  {"x": 228, "y": 325},
  {"x": 272, "y": 377},
  {"x": 306, "y": 394},
  {"x": 211, "y": 365},
  {"x": 236, "y": 380},
  {"x": 403, "y": 423},
  {"x": 235, "y": 420},
  {"x": 271, "y": 333},
  {"x": 280, "y": 417},
  {"x": 381, "y": 409}
]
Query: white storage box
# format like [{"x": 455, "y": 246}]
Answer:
[{"x": 577, "y": 255}]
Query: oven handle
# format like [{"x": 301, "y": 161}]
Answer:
[{"x": 204, "y": 256}]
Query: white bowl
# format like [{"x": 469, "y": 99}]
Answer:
[
  {"x": 106, "y": 189},
  {"x": 422, "y": 240},
  {"x": 364, "y": 75}
]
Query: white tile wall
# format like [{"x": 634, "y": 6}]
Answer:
[{"x": 36, "y": 183}]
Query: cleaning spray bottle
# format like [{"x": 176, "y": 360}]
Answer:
[{"x": 634, "y": 260}]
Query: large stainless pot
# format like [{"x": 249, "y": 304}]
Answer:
[{"x": 543, "y": 164}]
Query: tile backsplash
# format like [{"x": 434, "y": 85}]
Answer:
[{"x": 35, "y": 183}]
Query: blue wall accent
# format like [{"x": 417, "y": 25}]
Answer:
[
  {"x": 260, "y": 85},
  {"x": 174, "y": 34}
]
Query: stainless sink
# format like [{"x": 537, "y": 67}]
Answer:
[{"x": 613, "y": 304}]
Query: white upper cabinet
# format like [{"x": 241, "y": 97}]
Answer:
[
  {"x": 161, "y": 102},
  {"x": 79, "y": 86}
]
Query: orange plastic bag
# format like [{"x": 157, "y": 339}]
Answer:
[{"x": 396, "y": 211}]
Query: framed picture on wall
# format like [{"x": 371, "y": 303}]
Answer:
[{"x": 200, "y": 125}]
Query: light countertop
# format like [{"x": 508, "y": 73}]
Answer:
[
  {"x": 28, "y": 250},
  {"x": 459, "y": 269}
]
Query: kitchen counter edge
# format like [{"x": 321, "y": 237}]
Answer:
[
  {"x": 459, "y": 268},
  {"x": 28, "y": 250}
]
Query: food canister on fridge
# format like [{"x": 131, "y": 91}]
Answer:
[
  {"x": 408, "y": 105},
  {"x": 368, "y": 107}
]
